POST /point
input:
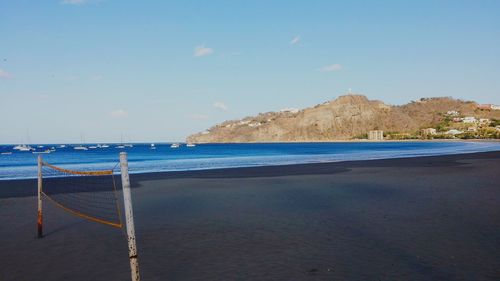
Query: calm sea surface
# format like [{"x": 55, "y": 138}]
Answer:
[{"x": 142, "y": 158}]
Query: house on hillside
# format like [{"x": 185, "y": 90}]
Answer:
[
  {"x": 484, "y": 121},
  {"x": 469, "y": 119},
  {"x": 452, "y": 113},
  {"x": 376, "y": 135},
  {"x": 495, "y": 107},
  {"x": 254, "y": 124},
  {"x": 453, "y": 132},
  {"x": 289, "y": 110},
  {"x": 429, "y": 131}
]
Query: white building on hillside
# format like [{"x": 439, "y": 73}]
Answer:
[
  {"x": 376, "y": 135},
  {"x": 453, "y": 132},
  {"x": 484, "y": 121},
  {"x": 290, "y": 110},
  {"x": 254, "y": 124},
  {"x": 429, "y": 131},
  {"x": 469, "y": 119}
]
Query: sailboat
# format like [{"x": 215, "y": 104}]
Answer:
[
  {"x": 81, "y": 146},
  {"x": 121, "y": 146},
  {"x": 129, "y": 144},
  {"x": 22, "y": 147},
  {"x": 152, "y": 146}
]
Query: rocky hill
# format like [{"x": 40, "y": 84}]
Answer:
[{"x": 341, "y": 119}]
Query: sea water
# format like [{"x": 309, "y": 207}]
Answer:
[{"x": 143, "y": 159}]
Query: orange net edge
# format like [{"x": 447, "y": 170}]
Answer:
[{"x": 82, "y": 173}]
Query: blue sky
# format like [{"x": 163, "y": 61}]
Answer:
[{"x": 161, "y": 70}]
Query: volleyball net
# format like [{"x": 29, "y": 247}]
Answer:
[{"x": 91, "y": 195}]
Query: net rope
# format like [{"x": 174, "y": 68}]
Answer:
[{"x": 91, "y": 195}]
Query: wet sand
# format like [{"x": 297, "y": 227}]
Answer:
[{"x": 427, "y": 218}]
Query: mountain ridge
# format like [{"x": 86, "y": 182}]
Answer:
[{"x": 343, "y": 118}]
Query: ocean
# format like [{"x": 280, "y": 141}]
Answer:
[{"x": 143, "y": 159}]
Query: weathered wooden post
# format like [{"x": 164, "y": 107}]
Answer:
[
  {"x": 40, "y": 217},
  {"x": 129, "y": 217}
]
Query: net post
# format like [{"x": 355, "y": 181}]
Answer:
[
  {"x": 129, "y": 217},
  {"x": 40, "y": 217}
]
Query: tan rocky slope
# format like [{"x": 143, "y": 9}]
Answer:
[{"x": 341, "y": 119}]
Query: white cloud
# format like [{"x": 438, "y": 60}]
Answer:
[
  {"x": 331, "y": 67},
  {"x": 4, "y": 74},
  {"x": 220, "y": 105},
  {"x": 119, "y": 113},
  {"x": 201, "y": 51},
  {"x": 74, "y": 2},
  {"x": 295, "y": 40},
  {"x": 199, "y": 117}
]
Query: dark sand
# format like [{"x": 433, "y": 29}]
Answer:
[{"x": 429, "y": 218}]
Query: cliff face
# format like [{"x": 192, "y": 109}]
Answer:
[{"x": 341, "y": 119}]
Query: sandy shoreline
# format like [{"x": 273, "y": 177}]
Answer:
[{"x": 424, "y": 218}]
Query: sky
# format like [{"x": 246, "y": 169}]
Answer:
[{"x": 152, "y": 71}]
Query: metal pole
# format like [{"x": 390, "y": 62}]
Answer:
[
  {"x": 40, "y": 218},
  {"x": 129, "y": 218}
]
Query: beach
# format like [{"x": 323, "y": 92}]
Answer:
[{"x": 422, "y": 218}]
